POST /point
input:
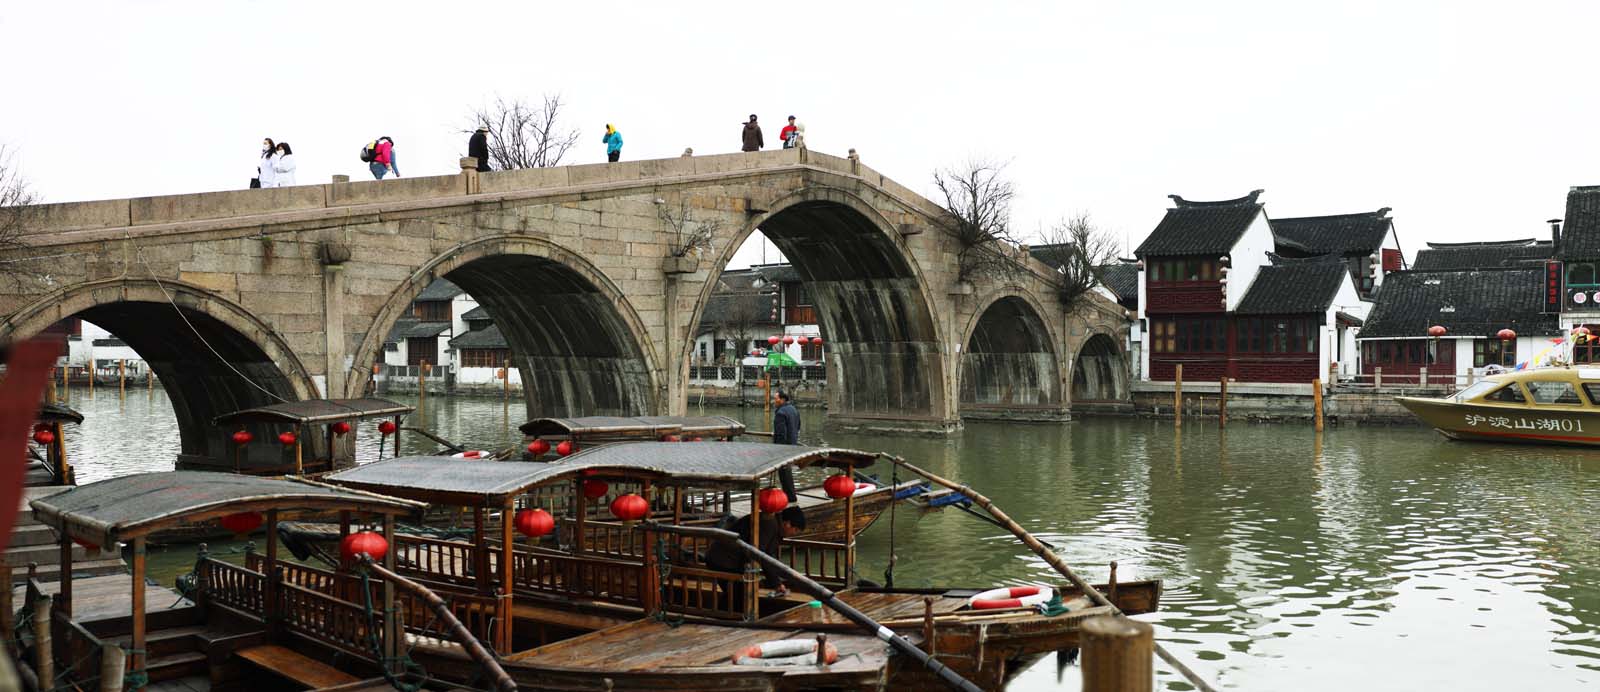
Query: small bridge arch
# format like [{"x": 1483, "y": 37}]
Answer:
[
  {"x": 1009, "y": 366},
  {"x": 1100, "y": 375}
]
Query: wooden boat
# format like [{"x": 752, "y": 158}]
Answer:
[
  {"x": 315, "y": 424},
  {"x": 1558, "y": 405},
  {"x": 628, "y": 607}
]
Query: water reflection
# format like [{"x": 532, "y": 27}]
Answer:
[{"x": 1385, "y": 558}]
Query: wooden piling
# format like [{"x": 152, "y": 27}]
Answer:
[
  {"x": 122, "y": 378},
  {"x": 112, "y": 664},
  {"x": 1377, "y": 377},
  {"x": 1222, "y": 404},
  {"x": 1422, "y": 377},
  {"x": 422, "y": 387},
  {"x": 1177, "y": 397},
  {"x": 91, "y": 370},
  {"x": 1316, "y": 402},
  {"x": 66, "y": 386},
  {"x": 44, "y": 664},
  {"x": 505, "y": 376},
  {"x": 1117, "y": 654}
]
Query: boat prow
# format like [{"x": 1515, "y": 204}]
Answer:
[{"x": 1559, "y": 406}]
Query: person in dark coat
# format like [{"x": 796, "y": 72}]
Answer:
[
  {"x": 478, "y": 147},
  {"x": 724, "y": 556},
  {"x": 752, "y": 135},
  {"x": 786, "y": 431}
]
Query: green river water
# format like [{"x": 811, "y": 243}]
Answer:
[{"x": 1378, "y": 558}]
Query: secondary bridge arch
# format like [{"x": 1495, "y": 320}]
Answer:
[{"x": 1009, "y": 365}]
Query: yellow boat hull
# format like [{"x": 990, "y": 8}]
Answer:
[{"x": 1508, "y": 423}]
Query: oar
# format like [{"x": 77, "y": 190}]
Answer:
[
  {"x": 448, "y": 444},
  {"x": 898, "y": 643},
  {"x": 1053, "y": 559}
]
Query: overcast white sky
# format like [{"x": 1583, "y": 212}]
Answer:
[{"x": 1469, "y": 118}]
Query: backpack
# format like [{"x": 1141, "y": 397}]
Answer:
[{"x": 369, "y": 152}]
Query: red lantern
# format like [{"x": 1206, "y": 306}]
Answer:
[
  {"x": 566, "y": 447},
  {"x": 839, "y": 486},
  {"x": 1506, "y": 335},
  {"x": 816, "y": 341},
  {"x": 287, "y": 438},
  {"x": 243, "y": 522},
  {"x": 1436, "y": 331},
  {"x": 242, "y": 437},
  {"x": 671, "y": 438},
  {"x": 773, "y": 340},
  {"x": 630, "y": 507},
  {"x": 539, "y": 447},
  {"x": 772, "y": 500},
  {"x": 534, "y": 523},
  {"x": 44, "y": 437},
  {"x": 340, "y": 428},
  {"x": 595, "y": 489},
  {"x": 387, "y": 427},
  {"x": 364, "y": 542},
  {"x": 788, "y": 340}
]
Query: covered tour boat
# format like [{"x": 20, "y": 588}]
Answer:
[
  {"x": 299, "y": 437},
  {"x": 1555, "y": 405}
]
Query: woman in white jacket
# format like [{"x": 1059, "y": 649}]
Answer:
[
  {"x": 269, "y": 155},
  {"x": 283, "y": 166}
]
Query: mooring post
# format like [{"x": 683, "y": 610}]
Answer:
[
  {"x": 1177, "y": 397},
  {"x": 43, "y": 651},
  {"x": 113, "y": 661},
  {"x": 422, "y": 387},
  {"x": 1118, "y": 654},
  {"x": 122, "y": 377},
  {"x": 1377, "y": 377},
  {"x": 1222, "y": 403},
  {"x": 1422, "y": 376},
  {"x": 66, "y": 386},
  {"x": 822, "y": 649},
  {"x": 1316, "y": 402}
]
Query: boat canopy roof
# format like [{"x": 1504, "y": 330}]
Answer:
[
  {"x": 57, "y": 413},
  {"x": 619, "y": 428},
  {"x": 120, "y": 509},
  {"x": 316, "y": 411},
  {"x": 495, "y": 483}
]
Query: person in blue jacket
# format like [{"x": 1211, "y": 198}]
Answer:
[
  {"x": 786, "y": 431},
  {"x": 613, "y": 142}
]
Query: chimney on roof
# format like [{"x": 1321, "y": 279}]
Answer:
[{"x": 1555, "y": 235}]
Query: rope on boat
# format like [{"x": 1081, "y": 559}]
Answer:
[
  {"x": 408, "y": 665},
  {"x": 1052, "y": 559},
  {"x": 664, "y": 571}
]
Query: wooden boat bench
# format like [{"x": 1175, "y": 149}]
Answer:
[{"x": 295, "y": 666}]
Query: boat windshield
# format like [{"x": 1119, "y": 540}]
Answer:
[{"x": 1476, "y": 390}]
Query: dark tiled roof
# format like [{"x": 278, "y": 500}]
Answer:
[
  {"x": 488, "y": 337},
  {"x": 424, "y": 329},
  {"x": 1344, "y": 234},
  {"x": 1491, "y": 255},
  {"x": 1580, "y": 231},
  {"x": 477, "y": 313},
  {"x": 1122, "y": 279},
  {"x": 726, "y": 308},
  {"x": 1330, "y": 258},
  {"x": 440, "y": 289},
  {"x": 1296, "y": 288},
  {"x": 1470, "y": 303},
  {"x": 109, "y": 341},
  {"x": 1201, "y": 228}
]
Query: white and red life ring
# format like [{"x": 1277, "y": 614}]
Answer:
[
  {"x": 1012, "y": 597},
  {"x": 785, "y": 652},
  {"x": 472, "y": 454},
  {"x": 863, "y": 488}
]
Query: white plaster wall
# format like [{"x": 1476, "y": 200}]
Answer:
[
  {"x": 1247, "y": 257},
  {"x": 483, "y": 376}
]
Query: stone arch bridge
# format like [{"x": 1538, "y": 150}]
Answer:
[{"x": 239, "y": 298}]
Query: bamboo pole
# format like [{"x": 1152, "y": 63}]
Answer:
[
  {"x": 899, "y": 643},
  {"x": 502, "y": 681},
  {"x": 1177, "y": 398},
  {"x": 1052, "y": 559},
  {"x": 1316, "y": 402},
  {"x": 1116, "y": 655}
]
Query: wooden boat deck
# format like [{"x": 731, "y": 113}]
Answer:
[
  {"x": 106, "y": 597},
  {"x": 649, "y": 645},
  {"x": 882, "y": 607}
]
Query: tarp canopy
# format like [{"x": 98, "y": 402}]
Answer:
[
  {"x": 127, "y": 507},
  {"x": 316, "y": 411},
  {"x": 639, "y": 428},
  {"x": 780, "y": 359},
  {"x": 57, "y": 413},
  {"x": 494, "y": 483}
]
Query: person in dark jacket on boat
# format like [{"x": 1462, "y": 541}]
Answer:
[
  {"x": 786, "y": 431},
  {"x": 478, "y": 147},
  {"x": 725, "y": 556}
]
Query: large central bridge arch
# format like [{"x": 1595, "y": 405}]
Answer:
[
  {"x": 873, "y": 304},
  {"x": 212, "y": 355},
  {"x": 579, "y": 345}
]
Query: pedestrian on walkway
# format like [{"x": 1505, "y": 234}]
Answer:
[
  {"x": 383, "y": 160},
  {"x": 613, "y": 140},
  {"x": 264, "y": 173},
  {"x": 478, "y": 147},
  {"x": 752, "y": 135},
  {"x": 283, "y": 166},
  {"x": 786, "y": 135},
  {"x": 786, "y": 431}
]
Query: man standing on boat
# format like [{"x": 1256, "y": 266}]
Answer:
[{"x": 786, "y": 431}]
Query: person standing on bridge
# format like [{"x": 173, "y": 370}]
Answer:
[
  {"x": 752, "y": 135},
  {"x": 383, "y": 160},
  {"x": 264, "y": 173},
  {"x": 786, "y": 135},
  {"x": 613, "y": 140},
  {"x": 478, "y": 147},
  {"x": 283, "y": 166},
  {"x": 786, "y": 431}
]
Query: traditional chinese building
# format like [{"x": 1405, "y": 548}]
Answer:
[
  {"x": 1365, "y": 243},
  {"x": 1572, "y": 283},
  {"x": 1472, "y": 305}
]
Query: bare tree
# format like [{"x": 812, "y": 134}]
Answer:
[
  {"x": 978, "y": 198},
  {"x": 16, "y": 206},
  {"x": 690, "y": 235},
  {"x": 523, "y": 135},
  {"x": 1077, "y": 250},
  {"x": 744, "y": 313}
]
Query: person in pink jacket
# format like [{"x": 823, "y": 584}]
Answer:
[{"x": 383, "y": 161}]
